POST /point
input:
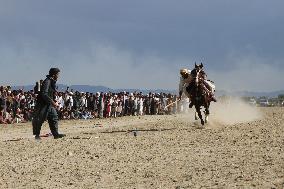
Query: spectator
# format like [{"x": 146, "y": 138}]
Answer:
[{"x": 18, "y": 105}]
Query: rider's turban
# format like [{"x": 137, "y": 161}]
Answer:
[{"x": 183, "y": 71}]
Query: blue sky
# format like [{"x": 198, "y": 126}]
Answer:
[{"x": 143, "y": 44}]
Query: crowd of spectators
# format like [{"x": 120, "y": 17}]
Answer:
[{"x": 16, "y": 106}]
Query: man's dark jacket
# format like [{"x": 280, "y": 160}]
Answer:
[{"x": 45, "y": 98}]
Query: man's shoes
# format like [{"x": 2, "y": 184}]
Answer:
[
  {"x": 213, "y": 98},
  {"x": 37, "y": 137},
  {"x": 59, "y": 136}
]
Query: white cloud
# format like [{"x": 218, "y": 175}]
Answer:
[
  {"x": 95, "y": 65},
  {"x": 250, "y": 73},
  {"x": 105, "y": 64}
]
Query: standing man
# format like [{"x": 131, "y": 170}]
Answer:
[
  {"x": 46, "y": 106},
  {"x": 101, "y": 105}
]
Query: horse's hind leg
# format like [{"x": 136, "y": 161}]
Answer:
[{"x": 199, "y": 114}]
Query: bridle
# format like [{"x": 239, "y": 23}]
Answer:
[{"x": 196, "y": 77}]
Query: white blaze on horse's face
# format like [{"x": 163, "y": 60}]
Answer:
[{"x": 197, "y": 78}]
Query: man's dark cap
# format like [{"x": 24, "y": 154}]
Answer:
[{"x": 53, "y": 71}]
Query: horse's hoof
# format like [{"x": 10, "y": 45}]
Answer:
[{"x": 202, "y": 122}]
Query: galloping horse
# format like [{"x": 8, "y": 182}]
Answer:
[{"x": 199, "y": 93}]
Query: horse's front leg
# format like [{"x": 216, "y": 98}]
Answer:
[
  {"x": 199, "y": 114},
  {"x": 207, "y": 114},
  {"x": 196, "y": 115}
]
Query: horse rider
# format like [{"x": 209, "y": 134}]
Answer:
[
  {"x": 184, "y": 83},
  {"x": 207, "y": 83}
]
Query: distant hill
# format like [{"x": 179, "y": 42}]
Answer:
[
  {"x": 94, "y": 89},
  {"x": 62, "y": 87},
  {"x": 85, "y": 88}
]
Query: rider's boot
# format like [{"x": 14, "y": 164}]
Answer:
[{"x": 213, "y": 98}]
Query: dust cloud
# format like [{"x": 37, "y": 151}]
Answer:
[{"x": 233, "y": 111}]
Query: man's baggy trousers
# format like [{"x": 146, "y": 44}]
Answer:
[{"x": 43, "y": 113}]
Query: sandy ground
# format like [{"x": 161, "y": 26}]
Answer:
[{"x": 240, "y": 147}]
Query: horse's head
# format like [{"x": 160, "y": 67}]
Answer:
[
  {"x": 196, "y": 73},
  {"x": 198, "y": 67}
]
